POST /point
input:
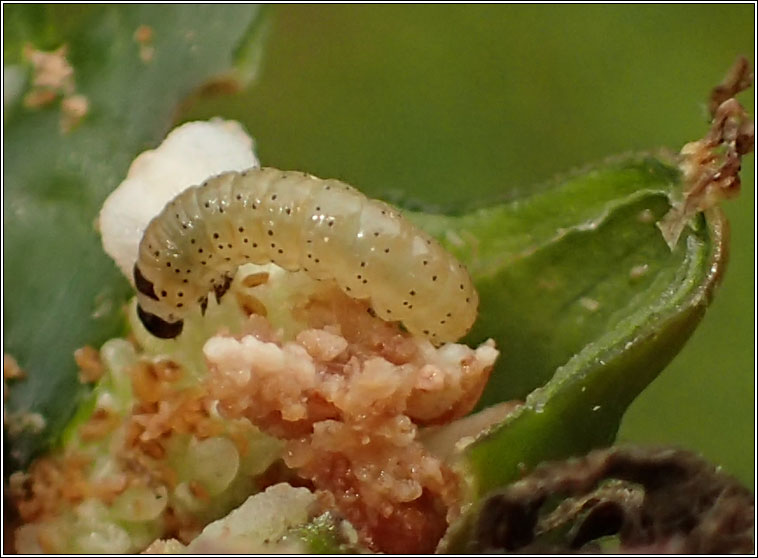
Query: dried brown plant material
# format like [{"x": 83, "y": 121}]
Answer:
[
  {"x": 23, "y": 421},
  {"x": 60, "y": 481},
  {"x": 711, "y": 166},
  {"x": 19, "y": 421},
  {"x": 143, "y": 35},
  {"x": 168, "y": 371},
  {"x": 73, "y": 109},
  {"x": 737, "y": 79},
  {"x": 51, "y": 484},
  {"x": 101, "y": 423},
  {"x": 656, "y": 500},
  {"x": 11, "y": 369},
  {"x": 53, "y": 78},
  {"x": 51, "y": 70},
  {"x": 154, "y": 449},
  {"x": 147, "y": 386},
  {"x": 57, "y": 483},
  {"x": 91, "y": 368},
  {"x": 37, "y": 98}
]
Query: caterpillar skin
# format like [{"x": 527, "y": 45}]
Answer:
[{"x": 297, "y": 221}]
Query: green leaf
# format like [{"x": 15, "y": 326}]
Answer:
[
  {"x": 323, "y": 535},
  {"x": 588, "y": 301},
  {"x": 61, "y": 290},
  {"x": 558, "y": 269}
]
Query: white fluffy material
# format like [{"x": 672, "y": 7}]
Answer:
[{"x": 190, "y": 154}]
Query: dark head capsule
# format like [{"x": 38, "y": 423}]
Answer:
[{"x": 159, "y": 327}]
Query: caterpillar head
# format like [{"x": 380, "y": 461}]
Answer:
[
  {"x": 158, "y": 326},
  {"x": 154, "y": 324}
]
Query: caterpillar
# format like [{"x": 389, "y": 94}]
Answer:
[{"x": 298, "y": 221}]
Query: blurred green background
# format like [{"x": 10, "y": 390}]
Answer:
[{"x": 456, "y": 106}]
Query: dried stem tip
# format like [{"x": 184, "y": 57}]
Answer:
[{"x": 711, "y": 165}]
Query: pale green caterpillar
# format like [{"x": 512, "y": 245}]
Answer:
[{"x": 297, "y": 221}]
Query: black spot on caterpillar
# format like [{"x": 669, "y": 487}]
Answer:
[{"x": 298, "y": 221}]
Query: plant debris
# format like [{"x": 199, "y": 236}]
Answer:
[
  {"x": 143, "y": 35},
  {"x": 91, "y": 368},
  {"x": 53, "y": 77},
  {"x": 711, "y": 165},
  {"x": 650, "y": 500}
]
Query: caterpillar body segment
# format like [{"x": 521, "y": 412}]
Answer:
[{"x": 297, "y": 221}]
